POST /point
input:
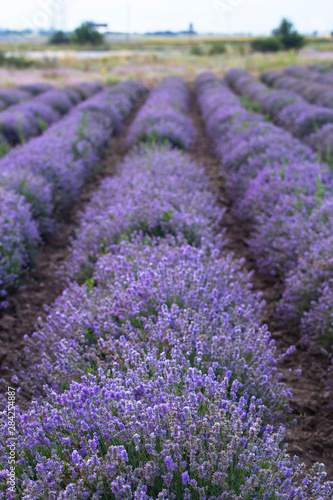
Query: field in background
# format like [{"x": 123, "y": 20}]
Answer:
[{"x": 148, "y": 58}]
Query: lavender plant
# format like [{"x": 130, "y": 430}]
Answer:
[
  {"x": 158, "y": 377},
  {"x": 50, "y": 170},
  {"x": 13, "y": 96},
  {"x": 285, "y": 107},
  {"x": 159, "y": 380},
  {"x": 28, "y": 119},
  {"x": 163, "y": 117},
  {"x": 139, "y": 200},
  {"x": 19, "y": 239},
  {"x": 280, "y": 188}
]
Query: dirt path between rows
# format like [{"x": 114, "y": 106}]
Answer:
[
  {"x": 42, "y": 285},
  {"x": 311, "y": 436}
]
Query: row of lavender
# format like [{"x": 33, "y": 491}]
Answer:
[
  {"x": 311, "y": 123},
  {"x": 163, "y": 119},
  {"x": 285, "y": 195},
  {"x": 157, "y": 372},
  {"x": 21, "y": 122},
  {"x": 308, "y": 289},
  {"x": 286, "y": 107},
  {"x": 314, "y": 72},
  {"x": 43, "y": 177},
  {"x": 300, "y": 80},
  {"x": 320, "y": 94},
  {"x": 9, "y": 97}
]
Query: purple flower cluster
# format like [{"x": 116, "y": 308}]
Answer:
[
  {"x": 22, "y": 93},
  {"x": 306, "y": 239},
  {"x": 285, "y": 107},
  {"x": 312, "y": 87},
  {"x": 308, "y": 290},
  {"x": 50, "y": 170},
  {"x": 155, "y": 372},
  {"x": 316, "y": 92},
  {"x": 309, "y": 74},
  {"x": 157, "y": 368},
  {"x": 322, "y": 141},
  {"x": 23, "y": 121},
  {"x": 36, "y": 88},
  {"x": 163, "y": 117},
  {"x": 19, "y": 239},
  {"x": 160, "y": 420},
  {"x": 11, "y": 97},
  {"x": 284, "y": 194},
  {"x": 139, "y": 200},
  {"x": 13, "y": 130}
]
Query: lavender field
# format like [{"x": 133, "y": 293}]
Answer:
[{"x": 166, "y": 284}]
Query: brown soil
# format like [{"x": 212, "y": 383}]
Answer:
[
  {"x": 310, "y": 435},
  {"x": 43, "y": 284}
]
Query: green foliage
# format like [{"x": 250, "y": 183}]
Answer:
[
  {"x": 4, "y": 148},
  {"x": 197, "y": 50},
  {"x": 43, "y": 125},
  {"x": 320, "y": 188},
  {"x": 269, "y": 44},
  {"x": 110, "y": 81},
  {"x": 19, "y": 62},
  {"x": 86, "y": 33},
  {"x": 217, "y": 48},
  {"x": 59, "y": 38},
  {"x": 288, "y": 37},
  {"x": 252, "y": 106}
]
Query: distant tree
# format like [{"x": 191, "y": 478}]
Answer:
[
  {"x": 87, "y": 33},
  {"x": 59, "y": 38},
  {"x": 288, "y": 37}
]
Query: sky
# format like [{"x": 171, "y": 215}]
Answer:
[{"x": 218, "y": 16}]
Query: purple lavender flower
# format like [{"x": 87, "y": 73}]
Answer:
[
  {"x": 36, "y": 88},
  {"x": 281, "y": 190},
  {"x": 50, "y": 170},
  {"x": 19, "y": 238},
  {"x": 14, "y": 96},
  {"x": 163, "y": 119},
  {"x": 157, "y": 369}
]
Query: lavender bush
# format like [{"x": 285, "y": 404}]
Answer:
[
  {"x": 163, "y": 117},
  {"x": 36, "y": 88},
  {"x": 21, "y": 122},
  {"x": 158, "y": 375},
  {"x": 138, "y": 200},
  {"x": 64, "y": 156},
  {"x": 50, "y": 170},
  {"x": 282, "y": 191},
  {"x": 322, "y": 141},
  {"x": 19, "y": 239},
  {"x": 285, "y": 107},
  {"x": 13, "y": 96},
  {"x": 315, "y": 88},
  {"x": 157, "y": 368}
]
